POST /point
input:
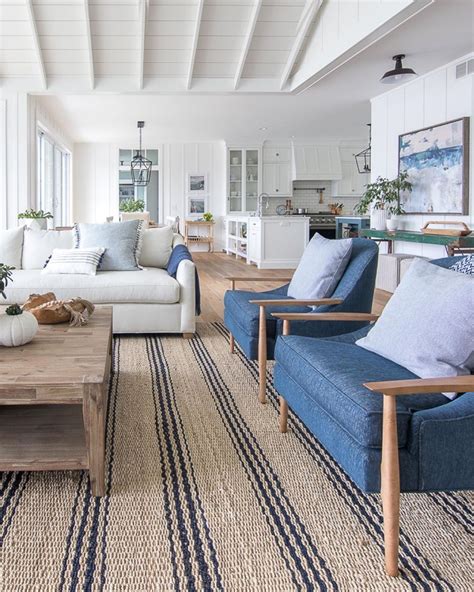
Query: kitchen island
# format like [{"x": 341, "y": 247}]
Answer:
[{"x": 269, "y": 242}]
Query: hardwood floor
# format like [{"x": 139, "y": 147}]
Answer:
[{"x": 213, "y": 269}]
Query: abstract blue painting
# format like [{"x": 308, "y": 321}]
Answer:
[{"x": 436, "y": 159}]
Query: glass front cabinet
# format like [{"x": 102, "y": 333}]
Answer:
[{"x": 243, "y": 179}]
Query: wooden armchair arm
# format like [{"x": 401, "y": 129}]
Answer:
[
  {"x": 293, "y": 302},
  {"x": 455, "y": 384},
  {"x": 237, "y": 278},
  {"x": 325, "y": 316}
]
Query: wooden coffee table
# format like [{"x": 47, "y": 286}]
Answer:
[{"x": 53, "y": 399}]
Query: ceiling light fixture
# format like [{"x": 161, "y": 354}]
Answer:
[
  {"x": 140, "y": 166},
  {"x": 363, "y": 158},
  {"x": 399, "y": 73}
]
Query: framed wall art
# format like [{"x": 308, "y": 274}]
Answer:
[
  {"x": 437, "y": 161},
  {"x": 196, "y": 183}
]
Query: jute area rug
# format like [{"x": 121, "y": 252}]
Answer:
[{"x": 204, "y": 493}]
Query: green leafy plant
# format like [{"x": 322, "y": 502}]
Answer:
[
  {"x": 207, "y": 217},
  {"x": 132, "y": 205},
  {"x": 384, "y": 194},
  {"x": 34, "y": 214},
  {"x": 14, "y": 310},
  {"x": 5, "y": 277}
]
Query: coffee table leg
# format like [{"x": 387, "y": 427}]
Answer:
[{"x": 94, "y": 425}]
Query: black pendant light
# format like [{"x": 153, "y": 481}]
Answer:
[
  {"x": 140, "y": 166},
  {"x": 363, "y": 158},
  {"x": 399, "y": 73}
]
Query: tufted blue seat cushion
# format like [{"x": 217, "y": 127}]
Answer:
[{"x": 331, "y": 373}]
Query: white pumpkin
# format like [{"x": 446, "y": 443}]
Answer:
[{"x": 17, "y": 329}]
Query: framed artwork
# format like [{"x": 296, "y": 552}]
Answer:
[
  {"x": 197, "y": 183},
  {"x": 436, "y": 159},
  {"x": 197, "y": 205}
]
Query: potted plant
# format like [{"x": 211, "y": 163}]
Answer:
[
  {"x": 382, "y": 197},
  {"x": 394, "y": 210},
  {"x": 207, "y": 217},
  {"x": 36, "y": 219},
  {"x": 16, "y": 326},
  {"x": 132, "y": 205}
]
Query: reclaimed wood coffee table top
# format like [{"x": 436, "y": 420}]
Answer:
[{"x": 59, "y": 355}]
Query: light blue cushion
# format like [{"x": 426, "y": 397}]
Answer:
[
  {"x": 121, "y": 240},
  {"x": 428, "y": 324},
  {"x": 321, "y": 267}
]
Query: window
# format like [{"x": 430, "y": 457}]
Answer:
[
  {"x": 53, "y": 170},
  {"x": 149, "y": 194}
]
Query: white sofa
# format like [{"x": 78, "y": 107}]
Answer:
[{"x": 144, "y": 301}]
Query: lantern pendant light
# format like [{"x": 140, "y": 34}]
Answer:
[
  {"x": 363, "y": 158},
  {"x": 140, "y": 166}
]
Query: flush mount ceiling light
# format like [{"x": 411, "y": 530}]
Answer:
[
  {"x": 399, "y": 73},
  {"x": 140, "y": 166},
  {"x": 363, "y": 158}
]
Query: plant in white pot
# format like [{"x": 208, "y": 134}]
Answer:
[
  {"x": 17, "y": 327},
  {"x": 36, "y": 219},
  {"x": 382, "y": 197}
]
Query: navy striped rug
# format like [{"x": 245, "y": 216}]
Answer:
[{"x": 204, "y": 493}]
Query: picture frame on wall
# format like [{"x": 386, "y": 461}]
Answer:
[
  {"x": 197, "y": 205},
  {"x": 197, "y": 183},
  {"x": 436, "y": 159}
]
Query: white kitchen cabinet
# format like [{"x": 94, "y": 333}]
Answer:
[
  {"x": 276, "y": 155},
  {"x": 316, "y": 162},
  {"x": 276, "y": 179},
  {"x": 244, "y": 179}
]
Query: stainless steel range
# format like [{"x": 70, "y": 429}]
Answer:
[{"x": 323, "y": 223}]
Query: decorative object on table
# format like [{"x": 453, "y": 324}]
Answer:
[
  {"x": 196, "y": 183},
  {"x": 121, "y": 241},
  {"x": 140, "y": 167},
  {"x": 382, "y": 197},
  {"x": 363, "y": 158},
  {"x": 336, "y": 208},
  {"x": 462, "y": 230},
  {"x": 207, "y": 217},
  {"x": 36, "y": 219},
  {"x": 48, "y": 310},
  {"x": 75, "y": 261},
  {"x": 436, "y": 159},
  {"x": 17, "y": 327},
  {"x": 132, "y": 205},
  {"x": 399, "y": 73}
]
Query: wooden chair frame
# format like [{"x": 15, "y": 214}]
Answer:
[{"x": 390, "y": 466}]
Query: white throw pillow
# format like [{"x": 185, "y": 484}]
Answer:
[
  {"x": 81, "y": 261},
  {"x": 321, "y": 267},
  {"x": 156, "y": 247},
  {"x": 11, "y": 242},
  {"x": 38, "y": 246},
  {"x": 427, "y": 325}
]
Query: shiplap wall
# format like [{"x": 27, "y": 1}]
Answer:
[
  {"x": 95, "y": 187},
  {"x": 433, "y": 98}
]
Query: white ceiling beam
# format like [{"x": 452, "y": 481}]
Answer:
[
  {"x": 247, "y": 43},
  {"x": 142, "y": 16},
  {"x": 89, "y": 44},
  {"x": 197, "y": 27},
  {"x": 305, "y": 22},
  {"x": 36, "y": 43}
]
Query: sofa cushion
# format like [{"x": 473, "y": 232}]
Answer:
[
  {"x": 156, "y": 247},
  {"x": 332, "y": 373},
  {"x": 148, "y": 285},
  {"x": 38, "y": 246},
  {"x": 74, "y": 261},
  {"x": 122, "y": 241},
  {"x": 11, "y": 242}
]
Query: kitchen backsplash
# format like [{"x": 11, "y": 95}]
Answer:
[{"x": 305, "y": 196}]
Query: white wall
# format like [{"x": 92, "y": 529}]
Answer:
[
  {"x": 428, "y": 100},
  {"x": 95, "y": 187}
]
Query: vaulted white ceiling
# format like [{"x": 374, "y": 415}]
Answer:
[{"x": 185, "y": 45}]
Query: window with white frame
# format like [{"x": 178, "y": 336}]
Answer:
[
  {"x": 150, "y": 195},
  {"x": 53, "y": 171}
]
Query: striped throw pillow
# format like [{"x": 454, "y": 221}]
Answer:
[{"x": 81, "y": 261}]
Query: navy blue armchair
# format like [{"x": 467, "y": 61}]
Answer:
[
  {"x": 389, "y": 430},
  {"x": 248, "y": 315}
]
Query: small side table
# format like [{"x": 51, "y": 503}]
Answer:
[{"x": 199, "y": 231}]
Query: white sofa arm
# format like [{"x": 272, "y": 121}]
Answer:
[{"x": 186, "y": 278}]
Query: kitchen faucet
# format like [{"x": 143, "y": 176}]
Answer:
[{"x": 260, "y": 203}]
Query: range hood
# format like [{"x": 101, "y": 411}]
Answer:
[{"x": 315, "y": 162}]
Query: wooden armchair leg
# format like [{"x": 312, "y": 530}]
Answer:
[
  {"x": 283, "y": 415},
  {"x": 262, "y": 356},
  {"x": 232, "y": 344},
  {"x": 390, "y": 485}
]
